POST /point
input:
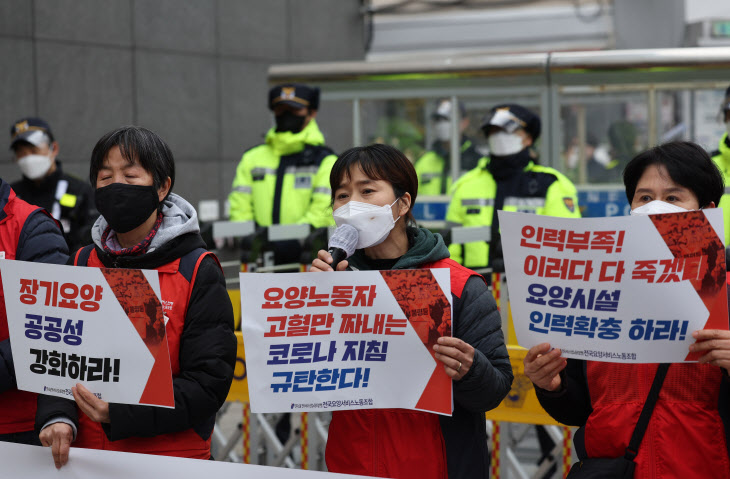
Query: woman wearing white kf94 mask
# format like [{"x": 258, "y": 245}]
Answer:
[
  {"x": 688, "y": 432},
  {"x": 656, "y": 193},
  {"x": 373, "y": 190}
]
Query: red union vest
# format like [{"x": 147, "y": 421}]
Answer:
[
  {"x": 685, "y": 436},
  {"x": 392, "y": 442},
  {"x": 17, "y": 408},
  {"x": 176, "y": 286}
]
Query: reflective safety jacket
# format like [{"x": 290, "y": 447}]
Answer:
[
  {"x": 477, "y": 196},
  {"x": 284, "y": 181},
  {"x": 721, "y": 157},
  {"x": 434, "y": 167},
  {"x": 27, "y": 233}
]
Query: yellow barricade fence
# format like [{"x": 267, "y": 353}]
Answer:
[
  {"x": 521, "y": 404},
  {"x": 239, "y": 387},
  {"x": 235, "y": 296}
]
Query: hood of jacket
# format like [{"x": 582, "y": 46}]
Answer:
[
  {"x": 179, "y": 233},
  {"x": 286, "y": 142},
  {"x": 425, "y": 247}
]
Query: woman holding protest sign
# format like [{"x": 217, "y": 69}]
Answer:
[
  {"x": 685, "y": 434},
  {"x": 373, "y": 190},
  {"x": 145, "y": 226}
]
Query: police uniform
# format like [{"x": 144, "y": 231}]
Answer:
[
  {"x": 67, "y": 198},
  {"x": 286, "y": 180},
  {"x": 721, "y": 157},
  {"x": 510, "y": 183},
  {"x": 434, "y": 167}
]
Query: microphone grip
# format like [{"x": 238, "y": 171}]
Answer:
[{"x": 338, "y": 254}]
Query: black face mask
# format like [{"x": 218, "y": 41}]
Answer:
[
  {"x": 502, "y": 167},
  {"x": 288, "y": 121},
  {"x": 124, "y": 206}
]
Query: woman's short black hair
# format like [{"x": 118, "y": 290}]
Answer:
[
  {"x": 688, "y": 165},
  {"x": 140, "y": 144},
  {"x": 378, "y": 162}
]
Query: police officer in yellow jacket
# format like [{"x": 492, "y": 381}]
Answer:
[
  {"x": 434, "y": 167},
  {"x": 721, "y": 157},
  {"x": 286, "y": 180},
  {"x": 508, "y": 180}
]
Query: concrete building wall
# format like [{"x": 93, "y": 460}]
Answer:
[
  {"x": 193, "y": 71},
  {"x": 649, "y": 23}
]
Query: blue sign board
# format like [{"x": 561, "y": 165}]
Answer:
[
  {"x": 431, "y": 210},
  {"x": 609, "y": 201},
  {"x": 593, "y": 202}
]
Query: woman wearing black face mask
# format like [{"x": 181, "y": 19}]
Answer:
[{"x": 145, "y": 226}]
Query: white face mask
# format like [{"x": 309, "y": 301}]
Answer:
[
  {"x": 657, "y": 207},
  {"x": 727, "y": 127},
  {"x": 502, "y": 143},
  {"x": 572, "y": 159},
  {"x": 373, "y": 223},
  {"x": 35, "y": 166},
  {"x": 442, "y": 130}
]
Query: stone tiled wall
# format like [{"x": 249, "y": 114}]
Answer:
[{"x": 194, "y": 71}]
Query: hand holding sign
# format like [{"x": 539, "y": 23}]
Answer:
[
  {"x": 715, "y": 343},
  {"x": 360, "y": 339},
  {"x": 92, "y": 406},
  {"x": 627, "y": 289},
  {"x": 456, "y": 355},
  {"x": 100, "y": 327},
  {"x": 543, "y": 366}
]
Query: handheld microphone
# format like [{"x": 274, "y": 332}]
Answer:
[{"x": 342, "y": 244}]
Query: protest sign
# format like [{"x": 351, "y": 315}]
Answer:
[
  {"x": 622, "y": 289},
  {"x": 100, "y": 327},
  {"x": 31, "y": 462},
  {"x": 346, "y": 340}
]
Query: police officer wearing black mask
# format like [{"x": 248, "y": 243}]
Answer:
[{"x": 286, "y": 179}]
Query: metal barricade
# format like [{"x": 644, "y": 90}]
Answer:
[{"x": 239, "y": 435}]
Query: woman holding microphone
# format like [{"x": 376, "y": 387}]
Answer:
[{"x": 373, "y": 189}]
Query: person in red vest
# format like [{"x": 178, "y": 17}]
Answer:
[
  {"x": 27, "y": 233},
  {"x": 687, "y": 433},
  {"x": 143, "y": 225},
  {"x": 381, "y": 184}
]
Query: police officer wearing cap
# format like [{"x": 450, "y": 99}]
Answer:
[
  {"x": 434, "y": 167},
  {"x": 510, "y": 180},
  {"x": 721, "y": 157},
  {"x": 286, "y": 180},
  {"x": 68, "y": 199}
]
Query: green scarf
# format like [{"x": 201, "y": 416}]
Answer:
[{"x": 424, "y": 247}]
